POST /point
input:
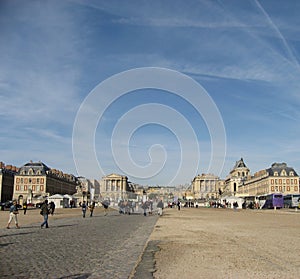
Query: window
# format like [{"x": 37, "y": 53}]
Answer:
[
  {"x": 283, "y": 173},
  {"x": 30, "y": 172},
  {"x": 275, "y": 173},
  {"x": 291, "y": 173}
]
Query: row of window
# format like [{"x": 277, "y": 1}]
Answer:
[
  {"x": 284, "y": 188},
  {"x": 283, "y": 173},
  {"x": 35, "y": 188},
  {"x": 31, "y": 172},
  {"x": 29, "y": 180},
  {"x": 284, "y": 181}
]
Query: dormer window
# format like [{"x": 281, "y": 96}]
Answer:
[
  {"x": 30, "y": 172},
  {"x": 283, "y": 173},
  {"x": 38, "y": 172},
  {"x": 275, "y": 173},
  {"x": 291, "y": 173}
]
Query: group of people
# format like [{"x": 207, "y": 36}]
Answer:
[
  {"x": 125, "y": 207},
  {"x": 45, "y": 210},
  {"x": 84, "y": 207}
]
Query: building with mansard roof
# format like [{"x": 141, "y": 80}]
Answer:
[
  {"x": 279, "y": 178},
  {"x": 35, "y": 181}
]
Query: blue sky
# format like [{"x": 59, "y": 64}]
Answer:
[{"x": 244, "y": 54}]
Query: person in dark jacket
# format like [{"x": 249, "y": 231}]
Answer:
[{"x": 45, "y": 213}]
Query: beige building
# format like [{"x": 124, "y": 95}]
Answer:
[
  {"x": 35, "y": 181},
  {"x": 278, "y": 179},
  {"x": 236, "y": 177},
  {"x": 115, "y": 187},
  {"x": 206, "y": 186}
]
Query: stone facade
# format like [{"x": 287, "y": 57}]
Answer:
[
  {"x": 236, "y": 177},
  {"x": 205, "y": 186},
  {"x": 278, "y": 179},
  {"x": 36, "y": 181},
  {"x": 114, "y": 187}
]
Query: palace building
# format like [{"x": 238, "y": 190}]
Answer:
[
  {"x": 205, "y": 186},
  {"x": 115, "y": 187},
  {"x": 236, "y": 177},
  {"x": 36, "y": 181},
  {"x": 279, "y": 178}
]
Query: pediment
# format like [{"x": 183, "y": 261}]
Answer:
[{"x": 114, "y": 176}]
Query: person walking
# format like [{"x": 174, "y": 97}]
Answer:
[
  {"x": 83, "y": 207},
  {"x": 13, "y": 212},
  {"x": 92, "y": 207},
  {"x": 160, "y": 206},
  {"x": 45, "y": 212},
  {"x": 52, "y": 207},
  {"x": 25, "y": 207},
  {"x": 105, "y": 205}
]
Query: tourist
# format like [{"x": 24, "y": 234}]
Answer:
[
  {"x": 92, "y": 207},
  {"x": 45, "y": 212},
  {"x": 52, "y": 207},
  {"x": 105, "y": 205},
  {"x": 178, "y": 204},
  {"x": 13, "y": 212},
  {"x": 160, "y": 206},
  {"x": 83, "y": 207},
  {"x": 145, "y": 207},
  {"x": 235, "y": 205},
  {"x": 25, "y": 207}
]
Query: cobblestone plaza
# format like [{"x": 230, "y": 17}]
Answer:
[{"x": 98, "y": 247}]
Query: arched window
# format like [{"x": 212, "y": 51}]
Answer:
[{"x": 291, "y": 173}]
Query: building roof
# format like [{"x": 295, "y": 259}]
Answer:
[
  {"x": 34, "y": 166},
  {"x": 279, "y": 167},
  {"x": 240, "y": 164}
]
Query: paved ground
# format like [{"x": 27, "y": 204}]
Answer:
[
  {"x": 227, "y": 244},
  {"x": 74, "y": 247}
]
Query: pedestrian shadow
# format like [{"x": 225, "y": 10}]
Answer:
[
  {"x": 13, "y": 234},
  {"x": 76, "y": 276},
  {"x": 5, "y": 244},
  {"x": 62, "y": 226}
]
